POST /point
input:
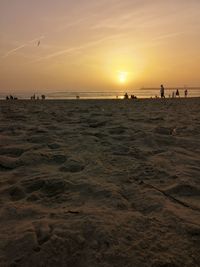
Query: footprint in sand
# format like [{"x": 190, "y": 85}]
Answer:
[
  {"x": 97, "y": 124},
  {"x": 54, "y": 146},
  {"x": 72, "y": 166},
  {"x": 12, "y": 151},
  {"x": 49, "y": 187},
  {"x": 43, "y": 232},
  {"x": 59, "y": 158},
  {"x": 32, "y": 185},
  {"x": 37, "y": 158},
  {"x": 8, "y": 163},
  {"x": 53, "y": 187},
  {"x": 16, "y": 193},
  {"x": 164, "y": 130},
  {"x": 185, "y": 190},
  {"x": 117, "y": 130},
  {"x": 9, "y": 157}
]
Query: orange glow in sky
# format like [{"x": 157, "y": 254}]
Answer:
[{"x": 98, "y": 45}]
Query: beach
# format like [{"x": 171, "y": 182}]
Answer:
[{"x": 106, "y": 183}]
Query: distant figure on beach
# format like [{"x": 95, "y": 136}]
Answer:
[
  {"x": 43, "y": 97},
  {"x": 162, "y": 91},
  {"x": 186, "y": 92},
  {"x": 126, "y": 96},
  {"x": 33, "y": 97},
  {"x": 177, "y": 93},
  {"x": 11, "y": 97},
  {"x": 77, "y": 97},
  {"x": 133, "y": 97}
]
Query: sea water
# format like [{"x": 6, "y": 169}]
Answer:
[{"x": 139, "y": 93}]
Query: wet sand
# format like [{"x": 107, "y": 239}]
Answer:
[{"x": 109, "y": 183}]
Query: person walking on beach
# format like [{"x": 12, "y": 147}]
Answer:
[
  {"x": 177, "y": 93},
  {"x": 186, "y": 92},
  {"x": 162, "y": 91},
  {"x": 126, "y": 96}
]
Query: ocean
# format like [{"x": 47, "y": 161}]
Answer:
[{"x": 139, "y": 93}]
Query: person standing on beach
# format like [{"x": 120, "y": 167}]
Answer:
[
  {"x": 177, "y": 93},
  {"x": 186, "y": 92},
  {"x": 162, "y": 91},
  {"x": 126, "y": 96}
]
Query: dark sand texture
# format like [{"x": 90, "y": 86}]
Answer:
[{"x": 100, "y": 183}]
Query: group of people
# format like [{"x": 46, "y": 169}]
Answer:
[
  {"x": 11, "y": 97},
  {"x": 34, "y": 97},
  {"x": 174, "y": 93},
  {"x": 126, "y": 96}
]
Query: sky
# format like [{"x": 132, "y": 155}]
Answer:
[{"x": 104, "y": 45}]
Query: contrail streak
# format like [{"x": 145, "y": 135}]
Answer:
[
  {"x": 166, "y": 36},
  {"x": 22, "y": 46},
  {"x": 13, "y": 50},
  {"x": 77, "y": 48},
  {"x": 39, "y": 38}
]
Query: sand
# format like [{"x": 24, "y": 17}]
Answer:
[{"x": 100, "y": 183}]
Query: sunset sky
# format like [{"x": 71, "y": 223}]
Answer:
[{"x": 98, "y": 45}]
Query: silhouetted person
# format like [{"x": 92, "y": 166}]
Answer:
[
  {"x": 162, "y": 91},
  {"x": 43, "y": 97},
  {"x": 186, "y": 92},
  {"x": 7, "y": 97},
  {"x": 11, "y": 97},
  {"x": 133, "y": 97},
  {"x": 33, "y": 97},
  {"x": 126, "y": 96},
  {"x": 177, "y": 93}
]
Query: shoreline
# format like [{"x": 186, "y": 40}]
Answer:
[{"x": 103, "y": 99}]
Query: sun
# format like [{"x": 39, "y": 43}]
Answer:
[{"x": 122, "y": 76}]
